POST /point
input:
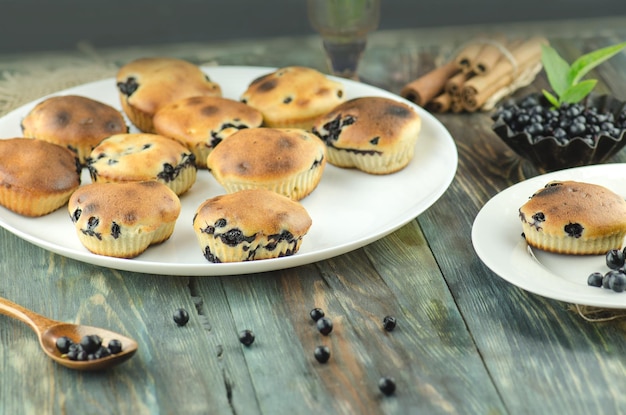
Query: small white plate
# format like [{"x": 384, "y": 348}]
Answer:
[
  {"x": 497, "y": 239},
  {"x": 349, "y": 208}
]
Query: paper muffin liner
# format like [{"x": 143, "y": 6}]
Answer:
[
  {"x": 140, "y": 119},
  {"x": 386, "y": 163},
  {"x": 129, "y": 244},
  {"x": 184, "y": 180},
  {"x": 214, "y": 250},
  {"x": 295, "y": 188},
  {"x": 24, "y": 203},
  {"x": 569, "y": 245}
]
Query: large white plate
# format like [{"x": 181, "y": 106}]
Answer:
[
  {"x": 496, "y": 236},
  {"x": 349, "y": 208}
]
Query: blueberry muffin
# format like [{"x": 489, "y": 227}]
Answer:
[
  {"x": 139, "y": 157},
  {"x": 250, "y": 225},
  {"x": 146, "y": 84},
  {"x": 123, "y": 219},
  {"x": 287, "y": 161},
  {"x": 374, "y": 134},
  {"x": 76, "y": 122},
  {"x": 201, "y": 123},
  {"x": 293, "y": 96},
  {"x": 569, "y": 217},
  {"x": 36, "y": 177}
]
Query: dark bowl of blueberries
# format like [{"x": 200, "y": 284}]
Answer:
[{"x": 581, "y": 134}]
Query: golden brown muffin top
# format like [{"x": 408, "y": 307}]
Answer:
[
  {"x": 575, "y": 209},
  {"x": 146, "y": 205},
  {"x": 293, "y": 92},
  {"x": 254, "y": 211},
  {"x": 73, "y": 120},
  {"x": 137, "y": 156},
  {"x": 205, "y": 119},
  {"x": 37, "y": 166},
  {"x": 370, "y": 124},
  {"x": 266, "y": 154},
  {"x": 149, "y": 83}
]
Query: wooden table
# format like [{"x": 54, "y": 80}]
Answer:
[{"x": 467, "y": 342}]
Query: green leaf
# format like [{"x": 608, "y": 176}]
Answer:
[
  {"x": 577, "y": 92},
  {"x": 586, "y": 63},
  {"x": 556, "y": 68},
  {"x": 551, "y": 98}
]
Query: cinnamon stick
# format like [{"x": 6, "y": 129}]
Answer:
[
  {"x": 456, "y": 105},
  {"x": 489, "y": 55},
  {"x": 423, "y": 89},
  {"x": 466, "y": 57},
  {"x": 455, "y": 84},
  {"x": 441, "y": 103},
  {"x": 478, "y": 89}
]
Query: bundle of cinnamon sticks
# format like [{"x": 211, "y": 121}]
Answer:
[{"x": 484, "y": 70}]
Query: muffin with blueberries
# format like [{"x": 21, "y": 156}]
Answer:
[
  {"x": 289, "y": 161},
  {"x": 578, "y": 218},
  {"x": 293, "y": 96},
  {"x": 123, "y": 219},
  {"x": 249, "y": 225},
  {"x": 202, "y": 122},
  {"x": 76, "y": 122},
  {"x": 373, "y": 134},
  {"x": 36, "y": 177},
  {"x": 137, "y": 157},
  {"x": 147, "y": 84}
]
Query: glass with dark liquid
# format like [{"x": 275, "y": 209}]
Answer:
[{"x": 344, "y": 26}]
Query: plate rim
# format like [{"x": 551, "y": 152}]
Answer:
[{"x": 248, "y": 267}]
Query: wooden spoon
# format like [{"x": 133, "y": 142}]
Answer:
[{"x": 49, "y": 331}]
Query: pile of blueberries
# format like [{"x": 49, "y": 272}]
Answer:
[
  {"x": 533, "y": 115},
  {"x": 90, "y": 347},
  {"x": 615, "y": 278}
]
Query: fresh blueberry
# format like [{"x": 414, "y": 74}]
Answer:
[
  {"x": 63, "y": 344},
  {"x": 595, "y": 279},
  {"x": 181, "y": 317},
  {"x": 387, "y": 385},
  {"x": 322, "y": 354},
  {"x": 615, "y": 258},
  {"x": 325, "y": 325},
  {"x": 246, "y": 337},
  {"x": 389, "y": 323},
  {"x": 316, "y": 313}
]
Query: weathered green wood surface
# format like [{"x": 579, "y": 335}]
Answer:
[{"x": 467, "y": 342}]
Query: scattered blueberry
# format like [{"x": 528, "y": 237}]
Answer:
[
  {"x": 246, "y": 337},
  {"x": 618, "y": 282},
  {"x": 615, "y": 259},
  {"x": 181, "y": 317},
  {"x": 387, "y": 385},
  {"x": 325, "y": 325},
  {"x": 595, "y": 279},
  {"x": 322, "y": 354},
  {"x": 316, "y": 313},
  {"x": 389, "y": 323}
]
